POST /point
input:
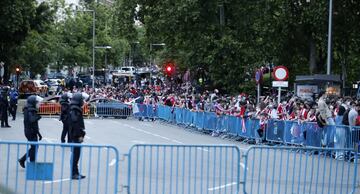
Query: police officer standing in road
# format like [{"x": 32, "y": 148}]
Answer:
[
  {"x": 64, "y": 117},
  {"x": 31, "y": 127},
  {"x": 13, "y": 102},
  {"x": 4, "y": 103},
  {"x": 76, "y": 131}
]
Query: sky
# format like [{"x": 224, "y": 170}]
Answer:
[{"x": 75, "y": 2}]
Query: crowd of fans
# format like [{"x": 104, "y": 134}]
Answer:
[{"x": 330, "y": 108}]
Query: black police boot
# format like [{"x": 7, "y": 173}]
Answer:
[
  {"x": 78, "y": 176},
  {"x": 22, "y": 163}
]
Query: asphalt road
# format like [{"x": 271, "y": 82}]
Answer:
[{"x": 167, "y": 169}]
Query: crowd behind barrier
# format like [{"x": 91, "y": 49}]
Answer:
[{"x": 277, "y": 131}]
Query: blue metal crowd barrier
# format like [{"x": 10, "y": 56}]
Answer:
[
  {"x": 117, "y": 110},
  {"x": 301, "y": 170},
  {"x": 246, "y": 128},
  {"x": 286, "y": 132},
  {"x": 184, "y": 169},
  {"x": 51, "y": 170},
  {"x": 145, "y": 111},
  {"x": 310, "y": 134}
]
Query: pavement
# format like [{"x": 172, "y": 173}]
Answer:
[{"x": 210, "y": 165}]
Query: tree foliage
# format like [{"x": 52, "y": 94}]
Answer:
[{"x": 231, "y": 38}]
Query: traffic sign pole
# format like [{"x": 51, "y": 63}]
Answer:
[
  {"x": 281, "y": 73},
  {"x": 279, "y": 95},
  {"x": 258, "y": 93}
]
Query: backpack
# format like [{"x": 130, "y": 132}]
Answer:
[
  {"x": 345, "y": 120},
  {"x": 320, "y": 121}
]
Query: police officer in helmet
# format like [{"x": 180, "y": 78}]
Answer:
[
  {"x": 4, "y": 103},
  {"x": 76, "y": 131},
  {"x": 64, "y": 116},
  {"x": 31, "y": 127}
]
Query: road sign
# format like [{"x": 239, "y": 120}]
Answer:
[
  {"x": 280, "y": 73},
  {"x": 258, "y": 76},
  {"x": 283, "y": 84}
]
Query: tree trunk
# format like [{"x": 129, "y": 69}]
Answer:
[{"x": 312, "y": 57}]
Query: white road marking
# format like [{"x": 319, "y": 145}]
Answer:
[
  {"x": 222, "y": 186},
  {"x": 153, "y": 134},
  {"x": 113, "y": 162},
  {"x": 56, "y": 181},
  {"x": 176, "y": 141},
  {"x": 243, "y": 166},
  {"x": 138, "y": 142},
  {"x": 49, "y": 140}
]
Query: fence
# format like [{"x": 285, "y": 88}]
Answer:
[
  {"x": 179, "y": 169},
  {"x": 184, "y": 169},
  {"x": 302, "y": 170},
  {"x": 52, "y": 108},
  {"x": 310, "y": 134},
  {"x": 116, "y": 110},
  {"x": 285, "y": 132},
  {"x": 51, "y": 173}
]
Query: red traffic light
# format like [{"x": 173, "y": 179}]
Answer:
[{"x": 169, "y": 69}]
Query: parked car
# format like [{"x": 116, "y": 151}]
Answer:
[
  {"x": 111, "y": 108},
  {"x": 32, "y": 87}
]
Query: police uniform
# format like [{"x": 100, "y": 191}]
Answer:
[
  {"x": 4, "y": 109},
  {"x": 31, "y": 129},
  {"x": 13, "y": 103},
  {"x": 76, "y": 132},
  {"x": 64, "y": 117}
]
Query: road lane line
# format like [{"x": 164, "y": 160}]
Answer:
[
  {"x": 138, "y": 142},
  {"x": 49, "y": 140},
  {"x": 176, "y": 141},
  {"x": 56, "y": 181},
  {"x": 222, "y": 186},
  {"x": 113, "y": 162}
]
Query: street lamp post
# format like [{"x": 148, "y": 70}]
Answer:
[
  {"x": 131, "y": 57},
  {"x": 154, "y": 44},
  {"x": 104, "y": 47},
  {"x": 93, "y": 45},
  {"x": 328, "y": 69},
  {"x": 150, "y": 60}
]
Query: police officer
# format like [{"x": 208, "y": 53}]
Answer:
[
  {"x": 31, "y": 127},
  {"x": 13, "y": 102},
  {"x": 76, "y": 132},
  {"x": 4, "y": 103},
  {"x": 64, "y": 117}
]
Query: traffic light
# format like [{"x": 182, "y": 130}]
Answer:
[
  {"x": 169, "y": 69},
  {"x": 17, "y": 71}
]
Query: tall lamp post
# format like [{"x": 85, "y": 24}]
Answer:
[
  {"x": 151, "y": 46},
  {"x": 328, "y": 69},
  {"x": 150, "y": 60},
  {"x": 93, "y": 45},
  {"x": 104, "y": 47}
]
